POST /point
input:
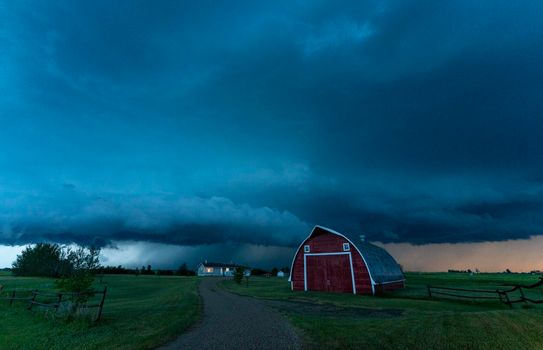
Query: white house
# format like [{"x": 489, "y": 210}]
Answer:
[
  {"x": 219, "y": 269},
  {"x": 281, "y": 274}
]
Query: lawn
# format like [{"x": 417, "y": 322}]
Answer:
[
  {"x": 407, "y": 319},
  {"x": 140, "y": 312}
]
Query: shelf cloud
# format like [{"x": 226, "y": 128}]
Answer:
[{"x": 197, "y": 124}]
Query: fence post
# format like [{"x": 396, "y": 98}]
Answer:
[
  {"x": 522, "y": 295},
  {"x": 508, "y": 302},
  {"x": 59, "y": 301},
  {"x": 429, "y": 292},
  {"x": 101, "y": 304},
  {"x": 12, "y": 297},
  {"x": 31, "y": 302}
]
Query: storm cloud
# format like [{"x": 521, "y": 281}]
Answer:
[
  {"x": 196, "y": 124},
  {"x": 99, "y": 220}
]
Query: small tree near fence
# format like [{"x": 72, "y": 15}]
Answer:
[{"x": 82, "y": 262}]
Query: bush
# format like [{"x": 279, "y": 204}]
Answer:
[{"x": 75, "y": 284}]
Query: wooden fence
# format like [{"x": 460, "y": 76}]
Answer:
[
  {"x": 520, "y": 288},
  {"x": 54, "y": 300},
  {"x": 503, "y": 295}
]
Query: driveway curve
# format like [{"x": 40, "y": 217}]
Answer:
[{"x": 235, "y": 322}]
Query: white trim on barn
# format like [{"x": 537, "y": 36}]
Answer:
[
  {"x": 352, "y": 272},
  {"x": 392, "y": 282}
]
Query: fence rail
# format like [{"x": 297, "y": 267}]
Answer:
[
  {"x": 503, "y": 296},
  {"x": 54, "y": 300}
]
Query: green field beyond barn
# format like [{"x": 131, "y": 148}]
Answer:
[
  {"x": 140, "y": 313},
  {"x": 407, "y": 319}
]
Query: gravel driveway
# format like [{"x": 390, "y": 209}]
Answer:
[{"x": 235, "y": 322}]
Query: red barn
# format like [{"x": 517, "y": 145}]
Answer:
[{"x": 330, "y": 261}]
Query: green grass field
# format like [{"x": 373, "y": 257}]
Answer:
[
  {"x": 139, "y": 313},
  {"x": 145, "y": 311},
  {"x": 407, "y": 319}
]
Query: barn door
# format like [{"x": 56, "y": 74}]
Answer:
[{"x": 329, "y": 273}]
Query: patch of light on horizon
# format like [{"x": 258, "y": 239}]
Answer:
[
  {"x": 8, "y": 254},
  {"x": 518, "y": 255}
]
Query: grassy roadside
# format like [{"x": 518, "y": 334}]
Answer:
[
  {"x": 407, "y": 319},
  {"x": 140, "y": 313}
]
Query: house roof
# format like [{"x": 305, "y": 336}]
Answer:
[
  {"x": 216, "y": 264},
  {"x": 382, "y": 266}
]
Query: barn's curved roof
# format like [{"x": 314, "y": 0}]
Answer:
[{"x": 382, "y": 266}]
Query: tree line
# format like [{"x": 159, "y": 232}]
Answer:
[
  {"x": 183, "y": 270},
  {"x": 82, "y": 263},
  {"x": 273, "y": 271},
  {"x": 61, "y": 262}
]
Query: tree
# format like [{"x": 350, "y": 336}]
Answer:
[
  {"x": 147, "y": 270},
  {"x": 184, "y": 271},
  {"x": 41, "y": 260},
  {"x": 274, "y": 271},
  {"x": 81, "y": 264},
  {"x": 238, "y": 274}
]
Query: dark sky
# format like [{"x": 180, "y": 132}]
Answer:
[{"x": 209, "y": 122}]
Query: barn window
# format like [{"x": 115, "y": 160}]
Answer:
[
  {"x": 209, "y": 269},
  {"x": 306, "y": 249},
  {"x": 346, "y": 247}
]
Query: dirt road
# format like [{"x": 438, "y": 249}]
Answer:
[{"x": 234, "y": 322}]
